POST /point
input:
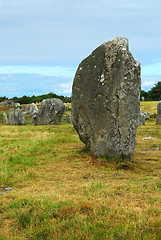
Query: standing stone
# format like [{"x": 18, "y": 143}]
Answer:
[
  {"x": 16, "y": 117},
  {"x": 27, "y": 109},
  {"x": 69, "y": 118},
  {"x": 5, "y": 118},
  {"x": 141, "y": 118},
  {"x": 17, "y": 105},
  {"x": 11, "y": 116},
  {"x": 23, "y": 108},
  {"x": 106, "y": 100},
  {"x": 158, "y": 113},
  {"x": 51, "y": 111},
  {"x": 33, "y": 113},
  {"x": 19, "y": 117},
  {"x": 147, "y": 115}
]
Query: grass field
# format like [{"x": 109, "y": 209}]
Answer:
[{"x": 61, "y": 191}]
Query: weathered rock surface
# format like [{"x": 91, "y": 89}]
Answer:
[
  {"x": 147, "y": 115},
  {"x": 16, "y": 117},
  {"x": 7, "y": 102},
  {"x": 158, "y": 121},
  {"x": 106, "y": 100},
  {"x": 50, "y": 112},
  {"x": 149, "y": 138},
  {"x": 5, "y": 119},
  {"x": 27, "y": 109},
  {"x": 33, "y": 113},
  {"x": 23, "y": 107},
  {"x": 141, "y": 118},
  {"x": 17, "y": 105},
  {"x": 69, "y": 118}
]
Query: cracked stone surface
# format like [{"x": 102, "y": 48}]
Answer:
[
  {"x": 33, "y": 113},
  {"x": 16, "y": 117},
  {"x": 106, "y": 100},
  {"x": 158, "y": 121},
  {"x": 141, "y": 118},
  {"x": 50, "y": 112},
  {"x": 5, "y": 118}
]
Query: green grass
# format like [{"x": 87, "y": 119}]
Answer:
[{"x": 61, "y": 191}]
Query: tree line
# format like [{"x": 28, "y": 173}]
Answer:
[
  {"x": 27, "y": 100},
  {"x": 154, "y": 94}
]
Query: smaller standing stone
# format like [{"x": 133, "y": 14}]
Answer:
[
  {"x": 17, "y": 105},
  {"x": 27, "y": 109},
  {"x": 19, "y": 116},
  {"x": 5, "y": 118},
  {"x": 23, "y": 108},
  {"x": 11, "y": 116},
  {"x": 51, "y": 111},
  {"x": 158, "y": 113},
  {"x": 69, "y": 118},
  {"x": 16, "y": 117},
  {"x": 141, "y": 118},
  {"x": 147, "y": 115},
  {"x": 33, "y": 113}
]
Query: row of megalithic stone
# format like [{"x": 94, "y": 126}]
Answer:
[
  {"x": 50, "y": 112},
  {"x": 146, "y": 116},
  {"x": 16, "y": 116}
]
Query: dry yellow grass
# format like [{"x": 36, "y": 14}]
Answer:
[{"x": 150, "y": 107}]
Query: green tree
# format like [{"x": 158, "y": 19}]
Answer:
[
  {"x": 145, "y": 95},
  {"x": 3, "y": 98},
  {"x": 155, "y": 92},
  {"x": 24, "y": 100},
  {"x": 15, "y": 99}
]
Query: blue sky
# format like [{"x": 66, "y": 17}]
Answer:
[{"x": 42, "y": 42}]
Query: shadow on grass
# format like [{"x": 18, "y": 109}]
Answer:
[{"x": 119, "y": 163}]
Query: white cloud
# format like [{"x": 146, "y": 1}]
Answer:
[
  {"x": 34, "y": 84},
  {"x": 55, "y": 71},
  {"x": 150, "y": 74},
  {"x": 51, "y": 31},
  {"x": 3, "y": 78},
  {"x": 150, "y": 83},
  {"x": 7, "y": 89}
]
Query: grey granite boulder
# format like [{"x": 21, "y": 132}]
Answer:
[
  {"x": 106, "y": 100},
  {"x": 23, "y": 107},
  {"x": 147, "y": 115},
  {"x": 33, "y": 113},
  {"x": 5, "y": 119},
  {"x": 17, "y": 105},
  {"x": 158, "y": 121},
  {"x": 16, "y": 117},
  {"x": 69, "y": 118},
  {"x": 50, "y": 112},
  {"x": 11, "y": 116},
  {"x": 27, "y": 109},
  {"x": 141, "y": 118}
]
